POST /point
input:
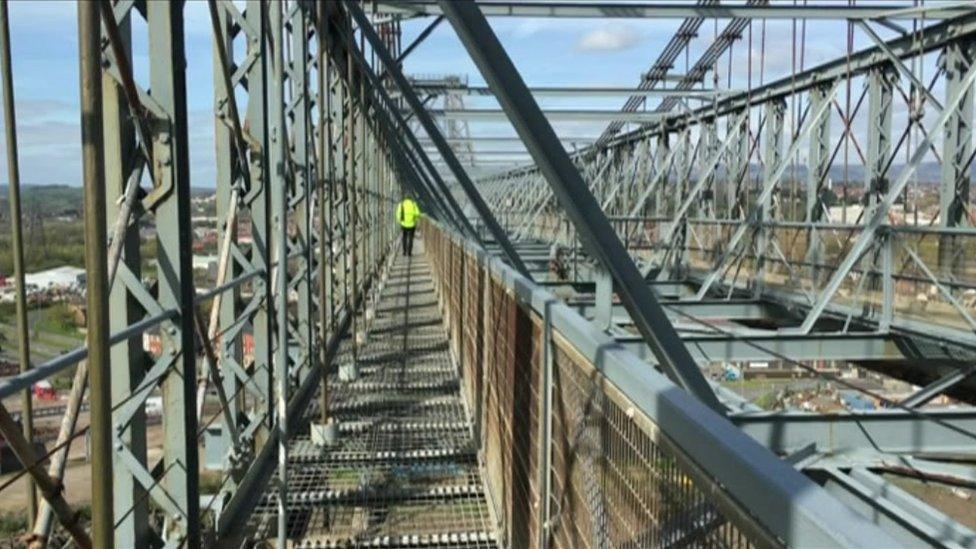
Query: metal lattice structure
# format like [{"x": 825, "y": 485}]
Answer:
[{"x": 551, "y": 368}]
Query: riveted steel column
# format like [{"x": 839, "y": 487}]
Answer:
[
  {"x": 228, "y": 348},
  {"x": 241, "y": 190},
  {"x": 258, "y": 200},
  {"x": 96, "y": 268},
  {"x": 362, "y": 187},
  {"x": 128, "y": 362},
  {"x": 880, "y": 110},
  {"x": 772, "y": 158},
  {"x": 299, "y": 202},
  {"x": 278, "y": 158},
  {"x": 663, "y": 154},
  {"x": 17, "y": 237},
  {"x": 879, "y": 151},
  {"x": 738, "y": 173},
  {"x": 326, "y": 213},
  {"x": 957, "y": 147},
  {"x": 818, "y": 167},
  {"x": 343, "y": 112},
  {"x": 171, "y": 158},
  {"x": 352, "y": 198}
]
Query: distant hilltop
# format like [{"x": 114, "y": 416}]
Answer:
[
  {"x": 55, "y": 200},
  {"x": 46, "y": 200}
]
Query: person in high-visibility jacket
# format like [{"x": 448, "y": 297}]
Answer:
[{"x": 407, "y": 214}]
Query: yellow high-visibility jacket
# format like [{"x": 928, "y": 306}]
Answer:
[{"x": 407, "y": 213}]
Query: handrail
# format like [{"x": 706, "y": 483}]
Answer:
[{"x": 764, "y": 489}]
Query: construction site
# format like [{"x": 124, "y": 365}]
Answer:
[{"x": 686, "y": 273}]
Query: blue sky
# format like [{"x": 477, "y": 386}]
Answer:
[{"x": 546, "y": 51}]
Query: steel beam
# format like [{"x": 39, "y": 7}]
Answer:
[
  {"x": 712, "y": 310},
  {"x": 167, "y": 80},
  {"x": 128, "y": 357},
  {"x": 571, "y": 190},
  {"x": 957, "y": 158},
  {"x": 771, "y": 348},
  {"x": 17, "y": 238},
  {"x": 279, "y": 182},
  {"x": 818, "y": 168},
  {"x": 258, "y": 201},
  {"x": 659, "y": 10},
  {"x": 898, "y": 512},
  {"x": 579, "y": 91},
  {"x": 96, "y": 259},
  {"x": 503, "y": 139},
  {"x": 229, "y": 161},
  {"x": 893, "y": 431},
  {"x": 773, "y": 159},
  {"x": 576, "y": 115}
]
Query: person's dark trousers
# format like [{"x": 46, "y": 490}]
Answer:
[{"x": 407, "y": 240}]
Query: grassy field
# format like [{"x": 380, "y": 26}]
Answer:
[{"x": 52, "y": 332}]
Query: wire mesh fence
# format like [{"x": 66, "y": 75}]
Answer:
[{"x": 606, "y": 475}]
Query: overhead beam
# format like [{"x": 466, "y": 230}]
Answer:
[
  {"x": 713, "y": 310},
  {"x": 773, "y": 347},
  {"x": 494, "y": 161},
  {"x": 503, "y": 139},
  {"x": 553, "y": 114},
  {"x": 660, "y": 10},
  {"x": 576, "y": 91},
  {"x": 492, "y": 152},
  {"x": 710, "y": 348},
  {"x": 893, "y": 431}
]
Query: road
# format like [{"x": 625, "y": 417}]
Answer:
[{"x": 44, "y": 345}]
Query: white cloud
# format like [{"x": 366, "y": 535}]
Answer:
[
  {"x": 606, "y": 39},
  {"x": 528, "y": 28}
]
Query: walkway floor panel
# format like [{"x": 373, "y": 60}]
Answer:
[{"x": 405, "y": 473}]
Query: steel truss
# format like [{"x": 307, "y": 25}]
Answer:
[
  {"x": 306, "y": 183},
  {"x": 713, "y": 209}
]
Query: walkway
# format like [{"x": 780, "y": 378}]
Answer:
[{"x": 405, "y": 473}]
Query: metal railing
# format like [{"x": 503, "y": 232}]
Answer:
[{"x": 585, "y": 445}]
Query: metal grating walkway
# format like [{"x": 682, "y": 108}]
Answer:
[{"x": 405, "y": 473}]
